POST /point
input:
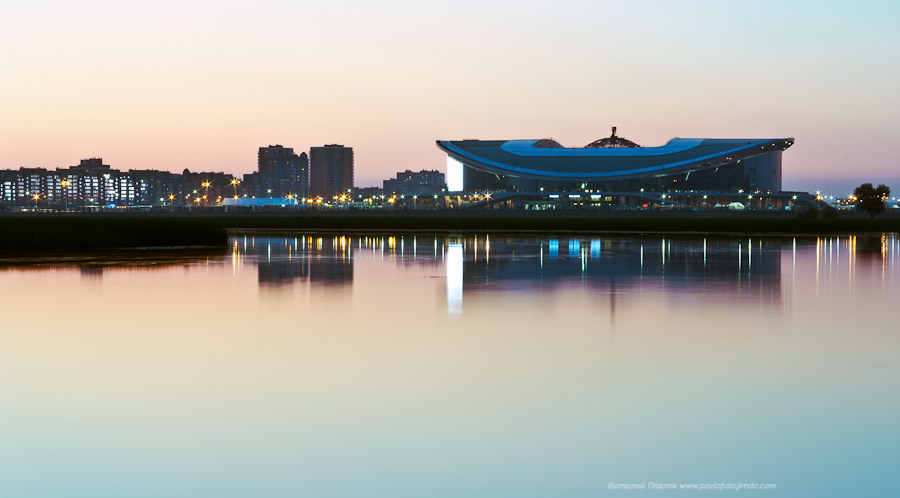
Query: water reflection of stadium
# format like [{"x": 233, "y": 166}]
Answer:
[
  {"x": 742, "y": 265},
  {"x": 743, "y": 269},
  {"x": 736, "y": 267}
]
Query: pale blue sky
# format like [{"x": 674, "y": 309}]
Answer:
[{"x": 202, "y": 84}]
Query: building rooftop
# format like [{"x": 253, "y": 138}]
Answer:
[{"x": 540, "y": 159}]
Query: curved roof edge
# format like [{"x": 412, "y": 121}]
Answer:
[{"x": 747, "y": 148}]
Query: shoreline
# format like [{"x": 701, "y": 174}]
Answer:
[{"x": 72, "y": 233}]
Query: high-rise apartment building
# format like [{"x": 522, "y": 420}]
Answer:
[
  {"x": 330, "y": 171},
  {"x": 279, "y": 173}
]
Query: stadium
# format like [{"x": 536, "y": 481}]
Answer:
[{"x": 695, "y": 172}]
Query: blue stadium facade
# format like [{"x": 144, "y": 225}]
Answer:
[{"x": 616, "y": 164}]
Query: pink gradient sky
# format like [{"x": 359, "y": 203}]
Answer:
[{"x": 174, "y": 85}]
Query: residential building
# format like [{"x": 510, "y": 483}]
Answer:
[
  {"x": 413, "y": 183},
  {"x": 330, "y": 171}
]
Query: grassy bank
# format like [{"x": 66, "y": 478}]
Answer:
[
  {"x": 56, "y": 233},
  {"x": 542, "y": 223},
  {"x": 49, "y": 234}
]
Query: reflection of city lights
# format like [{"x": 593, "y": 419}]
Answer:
[
  {"x": 454, "y": 265},
  {"x": 595, "y": 248},
  {"x": 554, "y": 247}
]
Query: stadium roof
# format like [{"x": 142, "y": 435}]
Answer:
[{"x": 545, "y": 159}]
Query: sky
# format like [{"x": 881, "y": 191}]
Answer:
[{"x": 201, "y": 85}]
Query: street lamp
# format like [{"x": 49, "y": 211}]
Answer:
[
  {"x": 66, "y": 183},
  {"x": 205, "y": 186}
]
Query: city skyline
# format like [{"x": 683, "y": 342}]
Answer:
[
  {"x": 282, "y": 178},
  {"x": 174, "y": 86}
]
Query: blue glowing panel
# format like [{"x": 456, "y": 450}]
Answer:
[
  {"x": 574, "y": 247},
  {"x": 595, "y": 248}
]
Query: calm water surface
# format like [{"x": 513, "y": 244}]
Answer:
[{"x": 325, "y": 365}]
